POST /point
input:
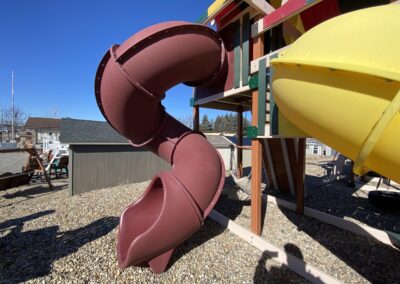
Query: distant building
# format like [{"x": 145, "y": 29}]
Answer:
[
  {"x": 43, "y": 129},
  {"x": 6, "y": 132},
  {"x": 225, "y": 145},
  {"x": 314, "y": 147},
  {"x": 4, "y": 135},
  {"x": 100, "y": 157}
]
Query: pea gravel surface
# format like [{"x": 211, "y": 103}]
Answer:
[
  {"x": 346, "y": 256},
  {"x": 49, "y": 237}
]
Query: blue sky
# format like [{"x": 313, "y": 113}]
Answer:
[{"x": 55, "y": 46}]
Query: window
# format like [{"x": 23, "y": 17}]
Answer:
[{"x": 315, "y": 151}]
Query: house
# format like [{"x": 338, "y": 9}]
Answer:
[
  {"x": 100, "y": 157},
  {"x": 43, "y": 129},
  {"x": 226, "y": 147},
  {"x": 315, "y": 147},
  {"x": 6, "y": 132}
]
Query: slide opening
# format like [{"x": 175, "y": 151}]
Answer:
[{"x": 141, "y": 215}]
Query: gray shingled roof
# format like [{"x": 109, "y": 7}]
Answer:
[
  {"x": 218, "y": 141},
  {"x": 233, "y": 139},
  {"x": 42, "y": 122},
  {"x": 75, "y": 131}
]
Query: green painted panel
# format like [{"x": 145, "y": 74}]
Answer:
[
  {"x": 246, "y": 49},
  {"x": 252, "y": 132},
  {"x": 236, "y": 54},
  {"x": 253, "y": 81}
]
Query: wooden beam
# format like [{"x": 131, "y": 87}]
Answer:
[
  {"x": 239, "y": 142},
  {"x": 11, "y": 150},
  {"x": 301, "y": 165},
  {"x": 33, "y": 153},
  {"x": 256, "y": 167},
  {"x": 196, "y": 118},
  {"x": 213, "y": 10},
  {"x": 269, "y": 166},
  {"x": 231, "y": 92},
  {"x": 17, "y": 175},
  {"x": 280, "y": 15},
  {"x": 261, "y": 6},
  {"x": 254, "y": 65},
  {"x": 294, "y": 263},
  {"x": 256, "y": 153},
  {"x": 287, "y": 166}
]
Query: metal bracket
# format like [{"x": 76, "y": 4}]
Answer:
[
  {"x": 252, "y": 132},
  {"x": 253, "y": 81}
]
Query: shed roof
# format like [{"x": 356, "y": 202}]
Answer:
[
  {"x": 78, "y": 131},
  {"x": 233, "y": 139},
  {"x": 42, "y": 122},
  {"x": 218, "y": 141}
]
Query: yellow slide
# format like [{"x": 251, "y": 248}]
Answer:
[{"x": 340, "y": 83}]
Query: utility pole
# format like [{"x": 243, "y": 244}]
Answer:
[{"x": 12, "y": 106}]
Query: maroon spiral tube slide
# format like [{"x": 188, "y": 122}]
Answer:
[{"x": 130, "y": 84}]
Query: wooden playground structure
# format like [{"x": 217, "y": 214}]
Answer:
[
  {"x": 254, "y": 32},
  {"x": 33, "y": 166}
]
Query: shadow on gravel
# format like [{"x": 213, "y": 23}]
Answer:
[
  {"x": 375, "y": 261},
  {"x": 280, "y": 274},
  {"x": 30, "y": 254},
  {"x": 36, "y": 190},
  {"x": 337, "y": 199},
  {"x": 210, "y": 229},
  {"x": 322, "y": 191}
]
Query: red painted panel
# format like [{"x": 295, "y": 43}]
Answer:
[
  {"x": 282, "y": 12},
  {"x": 233, "y": 13},
  {"x": 319, "y": 13},
  {"x": 225, "y": 11}
]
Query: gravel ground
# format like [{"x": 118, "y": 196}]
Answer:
[
  {"x": 350, "y": 203},
  {"x": 344, "y": 255},
  {"x": 338, "y": 199},
  {"x": 341, "y": 254},
  {"x": 51, "y": 237}
]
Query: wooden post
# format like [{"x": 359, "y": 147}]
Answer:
[
  {"x": 33, "y": 153},
  {"x": 256, "y": 153},
  {"x": 196, "y": 118},
  {"x": 301, "y": 165},
  {"x": 239, "y": 142}
]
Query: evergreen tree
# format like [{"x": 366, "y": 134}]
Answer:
[
  {"x": 205, "y": 125},
  {"x": 228, "y": 123}
]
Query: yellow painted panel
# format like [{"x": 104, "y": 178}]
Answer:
[
  {"x": 287, "y": 129},
  {"x": 335, "y": 82},
  {"x": 215, "y": 6}
]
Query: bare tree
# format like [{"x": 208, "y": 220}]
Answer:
[
  {"x": 6, "y": 115},
  {"x": 53, "y": 112},
  {"x": 186, "y": 120}
]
